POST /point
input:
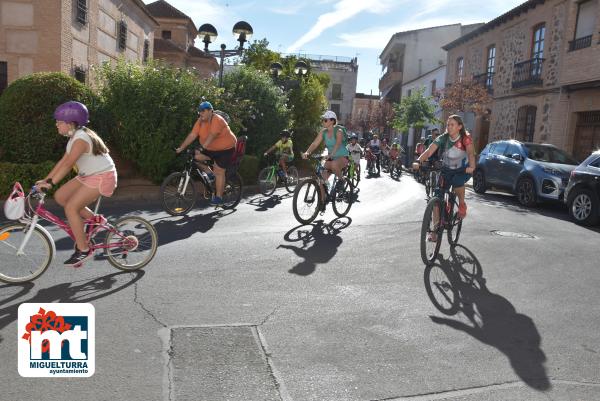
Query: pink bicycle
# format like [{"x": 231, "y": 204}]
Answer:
[{"x": 27, "y": 249}]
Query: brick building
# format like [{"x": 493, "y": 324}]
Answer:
[
  {"x": 540, "y": 62},
  {"x": 71, "y": 35},
  {"x": 174, "y": 40}
]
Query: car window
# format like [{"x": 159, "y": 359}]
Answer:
[
  {"x": 491, "y": 147},
  {"x": 596, "y": 163},
  {"x": 500, "y": 148},
  {"x": 511, "y": 150},
  {"x": 549, "y": 154}
]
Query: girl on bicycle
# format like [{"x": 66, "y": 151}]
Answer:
[
  {"x": 96, "y": 173},
  {"x": 285, "y": 150}
]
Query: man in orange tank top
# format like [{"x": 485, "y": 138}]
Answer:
[{"x": 217, "y": 143}]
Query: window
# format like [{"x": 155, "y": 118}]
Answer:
[
  {"x": 336, "y": 91},
  {"x": 81, "y": 11},
  {"x": 335, "y": 107},
  {"x": 537, "y": 49},
  {"x": 146, "y": 50},
  {"x": 526, "y": 123},
  {"x": 409, "y": 93},
  {"x": 595, "y": 163},
  {"x": 586, "y": 19},
  {"x": 122, "y": 38},
  {"x": 80, "y": 74},
  {"x": 460, "y": 64},
  {"x": 491, "y": 61},
  {"x": 166, "y": 34},
  {"x": 3, "y": 75},
  {"x": 500, "y": 148},
  {"x": 433, "y": 87},
  {"x": 511, "y": 150}
]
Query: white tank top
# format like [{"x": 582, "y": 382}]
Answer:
[{"x": 88, "y": 163}]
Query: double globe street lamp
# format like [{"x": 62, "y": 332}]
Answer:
[
  {"x": 208, "y": 33},
  {"x": 300, "y": 69}
]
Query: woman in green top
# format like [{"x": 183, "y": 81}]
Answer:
[
  {"x": 285, "y": 150},
  {"x": 335, "y": 141}
]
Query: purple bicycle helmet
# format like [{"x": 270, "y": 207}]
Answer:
[{"x": 72, "y": 112}]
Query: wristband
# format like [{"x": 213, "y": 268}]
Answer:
[{"x": 49, "y": 181}]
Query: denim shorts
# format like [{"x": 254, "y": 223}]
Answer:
[{"x": 457, "y": 178}]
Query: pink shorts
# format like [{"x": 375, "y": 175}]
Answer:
[{"x": 104, "y": 182}]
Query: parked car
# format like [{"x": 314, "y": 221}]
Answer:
[
  {"x": 582, "y": 195},
  {"x": 531, "y": 171}
]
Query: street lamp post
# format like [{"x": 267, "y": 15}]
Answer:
[
  {"x": 300, "y": 69},
  {"x": 242, "y": 32}
]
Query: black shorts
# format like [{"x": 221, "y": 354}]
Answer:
[{"x": 221, "y": 157}]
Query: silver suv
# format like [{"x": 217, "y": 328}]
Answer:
[{"x": 531, "y": 171}]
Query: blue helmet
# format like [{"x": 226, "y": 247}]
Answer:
[{"x": 205, "y": 106}]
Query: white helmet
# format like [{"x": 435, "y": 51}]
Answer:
[{"x": 329, "y": 114}]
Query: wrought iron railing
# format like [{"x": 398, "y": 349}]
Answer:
[
  {"x": 528, "y": 73},
  {"x": 487, "y": 80},
  {"x": 580, "y": 43}
]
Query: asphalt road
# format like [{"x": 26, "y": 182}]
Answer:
[{"x": 251, "y": 305}]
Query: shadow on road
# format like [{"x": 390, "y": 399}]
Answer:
[
  {"x": 76, "y": 292},
  {"x": 456, "y": 284},
  {"x": 320, "y": 243},
  {"x": 174, "y": 229},
  {"x": 264, "y": 204}
]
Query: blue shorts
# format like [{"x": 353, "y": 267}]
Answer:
[{"x": 455, "y": 178}]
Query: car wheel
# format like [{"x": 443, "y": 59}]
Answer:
[
  {"x": 479, "y": 182},
  {"x": 583, "y": 207},
  {"x": 526, "y": 192}
]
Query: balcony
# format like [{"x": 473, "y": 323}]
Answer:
[
  {"x": 528, "y": 73},
  {"x": 389, "y": 79},
  {"x": 486, "y": 80},
  {"x": 580, "y": 43}
]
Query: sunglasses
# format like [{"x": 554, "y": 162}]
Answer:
[{"x": 325, "y": 120}]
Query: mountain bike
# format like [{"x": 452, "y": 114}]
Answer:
[
  {"x": 27, "y": 248},
  {"x": 308, "y": 199},
  {"x": 395, "y": 167},
  {"x": 431, "y": 172},
  {"x": 354, "y": 170},
  {"x": 179, "y": 193},
  {"x": 440, "y": 214},
  {"x": 273, "y": 174}
]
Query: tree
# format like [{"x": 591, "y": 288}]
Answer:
[
  {"x": 415, "y": 111},
  {"x": 465, "y": 96},
  {"x": 259, "y": 56}
]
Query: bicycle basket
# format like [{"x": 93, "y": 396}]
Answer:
[{"x": 14, "y": 207}]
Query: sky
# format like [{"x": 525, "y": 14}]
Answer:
[{"x": 348, "y": 28}]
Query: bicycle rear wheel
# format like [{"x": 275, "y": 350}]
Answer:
[
  {"x": 454, "y": 227},
  {"x": 233, "y": 191},
  {"x": 342, "y": 199},
  {"x": 131, "y": 243},
  {"x": 267, "y": 181},
  {"x": 292, "y": 179},
  {"x": 441, "y": 289},
  {"x": 36, "y": 257},
  {"x": 307, "y": 201},
  {"x": 431, "y": 231},
  {"x": 177, "y": 200}
]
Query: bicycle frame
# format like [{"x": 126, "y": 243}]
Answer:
[{"x": 189, "y": 169}]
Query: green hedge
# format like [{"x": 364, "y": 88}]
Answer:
[
  {"x": 25, "y": 173},
  {"x": 249, "y": 169},
  {"x": 27, "y": 128}
]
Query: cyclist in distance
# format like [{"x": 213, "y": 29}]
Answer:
[
  {"x": 217, "y": 142},
  {"x": 355, "y": 152},
  {"x": 458, "y": 158},
  {"x": 334, "y": 136},
  {"x": 429, "y": 140},
  {"x": 96, "y": 173},
  {"x": 375, "y": 146},
  {"x": 284, "y": 150}
]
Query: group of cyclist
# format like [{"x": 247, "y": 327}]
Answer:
[{"x": 97, "y": 175}]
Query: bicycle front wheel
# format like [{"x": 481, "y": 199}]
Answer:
[
  {"x": 292, "y": 179},
  {"x": 233, "y": 191},
  {"x": 267, "y": 181},
  {"x": 36, "y": 256},
  {"x": 177, "y": 197},
  {"x": 307, "y": 201},
  {"x": 343, "y": 198},
  {"x": 431, "y": 231},
  {"x": 131, "y": 243}
]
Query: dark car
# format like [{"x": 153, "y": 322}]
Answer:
[
  {"x": 532, "y": 171},
  {"x": 582, "y": 195}
]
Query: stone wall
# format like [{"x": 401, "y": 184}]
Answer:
[
  {"x": 511, "y": 50},
  {"x": 555, "y": 32},
  {"x": 504, "y": 119}
]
